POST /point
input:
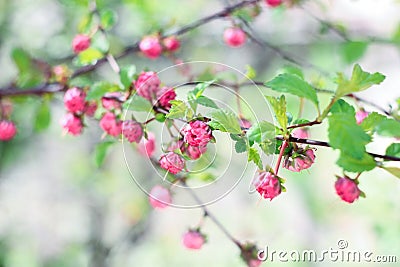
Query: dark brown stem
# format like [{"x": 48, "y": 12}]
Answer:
[{"x": 311, "y": 123}]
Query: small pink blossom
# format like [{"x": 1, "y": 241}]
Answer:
[
  {"x": 90, "y": 108},
  {"x": 150, "y": 47},
  {"x": 234, "y": 37},
  {"x": 74, "y": 100},
  {"x": 197, "y": 133},
  {"x": 301, "y": 133},
  {"x": 273, "y": 3},
  {"x": 72, "y": 124},
  {"x": 171, "y": 43},
  {"x": 132, "y": 130},
  {"x": 112, "y": 100},
  {"x": 361, "y": 115},
  {"x": 159, "y": 197},
  {"x": 195, "y": 152},
  {"x": 267, "y": 185},
  {"x": 172, "y": 162},
  {"x": 7, "y": 130},
  {"x": 245, "y": 123},
  {"x": 165, "y": 95},
  {"x": 147, "y": 85},
  {"x": 147, "y": 146},
  {"x": 304, "y": 160},
  {"x": 347, "y": 189},
  {"x": 110, "y": 124},
  {"x": 80, "y": 43},
  {"x": 193, "y": 239}
]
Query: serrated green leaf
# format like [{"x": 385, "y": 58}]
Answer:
[
  {"x": 353, "y": 50},
  {"x": 101, "y": 152},
  {"x": 345, "y": 134},
  {"x": 43, "y": 117},
  {"x": 369, "y": 123},
  {"x": 388, "y": 127},
  {"x": 89, "y": 56},
  {"x": 126, "y": 75},
  {"x": 393, "y": 170},
  {"x": 236, "y": 137},
  {"x": 295, "y": 85},
  {"x": 228, "y": 122},
  {"x": 255, "y": 157},
  {"x": 279, "y": 107},
  {"x": 205, "y": 101},
  {"x": 351, "y": 164},
  {"x": 261, "y": 132},
  {"x": 200, "y": 87},
  {"x": 240, "y": 146},
  {"x": 99, "y": 89},
  {"x": 268, "y": 147},
  {"x": 108, "y": 18},
  {"x": 178, "y": 109},
  {"x": 393, "y": 150},
  {"x": 293, "y": 70},
  {"x": 342, "y": 106},
  {"x": 360, "y": 80}
]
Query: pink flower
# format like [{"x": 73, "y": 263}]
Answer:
[
  {"x": 301, "y": 162},
  {"x": 245, "y": 123},
  {"x": 254, "y": 263},
  {"x": 361, "y": 115},
  {"x": 171, "y": 43},
  {"x": 74, "y": 100},
  {"x": 147, "y": 146},
  {"x": 110, "y": 124},
  {"x": 72, "y": 124},
  {"x": 165, "y": 95},
  {"x": 80, "y": 43},
  {"x": 172, "y": 162},
  {"x": 347, "y": 189},
  {"x": 234, "y": 37},
  {"x": 150, "y": 47},
  {"x": 7, "y": 130},
  {"x": 193, "y": 239},
  {"x": 159, "y": 197},
  {"x": 61, "y": 73},
  {"x": 112, "y": 100},
  {"x": 132, "y": 130},
  {"x": 147, "y": 85},
  {"x": 301, "y": 133},
  {"x": 273, "y": 3},
  {"x": 195, "y": 152},
  {"x": 90, "y": 108},
  {"x": 268, "y": 185},
  {"x": 197, "y": 133}
]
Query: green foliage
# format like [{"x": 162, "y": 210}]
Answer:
[
  {"x": 29, "y": 75},
  {"x": 352, "y": 164},
  {"x": 99, "y": 89},
  {"x": 255, "y": 157},
  {"x": 353, "y": 50},
  {"x": 290, "y": 69},
  {"x": 178, "y": 110},
  {"x": 393, "y": 150},
  {"x": 241, "y": 146},
  {"x": 342, "y": 106},
  {"x": 279, "y": 107},
  {"x": 205, "y": 101},
  {"x": 126, "y": 75},
  {"x": 101, "y": 152},
  {"x": 393, "y": 170},
  {"x": 196, "y": 97},
  {"x": 295, "y": 85},
  {"x": 86, "y": 23},
  {"x": 261, "y": 132},
  {"x": 225, "y": 121},
  {"x": 372, "y": 121},
  {"x": 360, "y": 80},
  {"x": 43, "y": 117},
  {"x": 250, "y": 72},
  {"x": 388, "y": 127},
  {"x": 108, "y": 18},
  {"x": 88, "y": 57}
]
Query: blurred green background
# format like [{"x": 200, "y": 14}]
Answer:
[{"x": 58, "y": 209}]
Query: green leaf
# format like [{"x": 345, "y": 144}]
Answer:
[
  {"x": 240, "y": 146},
  {"x": 227, "y": 121},
  {"x": 200, "y": 87},
  {"x": 108, "y": 18},
  {"x": 101, "y": 152},
  {"x": 393, "y": 150},
  {"x": 86, "y": 23},
  {"x": 279, "y": 107},
  {"x": 255, "y": 157},
  {"x": 293, "y": 70},
  {"x": 268, "y": 147},
  {"x": 342, "y": 106},
  {"x": 178, "y": 109},
  {"x": 250, "y": 72},
  {"x": 138, "y": 103},
  {"x": 352, "y": 51},
  {"x": 261, "y": 132},
  {"x": 295, "y": 85},
  {"x": 388, "y": 127},
  {"x": 89, "y": 56},
  {"x": 205, "y": 101},
  {"x": 126, "y": 75},
  {"x": 29, "y": 75},
  {"x": 99, "y": 42},
  {"x": 351, "y": 164},
  {"x": 345, "y": 134},
  {"x": 369, "y": 123},
  {"x": 43, "y": 117},
  {"x": 360, "y": 80},
  {"x": 393, "y": 170},
  {"x": 99, "y": 89}
]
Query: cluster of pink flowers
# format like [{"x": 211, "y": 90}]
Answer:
[
  {"x": 152, "y": 47},
  {"x": 299, "y": 159}
]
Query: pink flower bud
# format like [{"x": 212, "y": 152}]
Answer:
[
  {"x": 361, "y": 115},
  {"x": 245, "y": 123},
  {"x": 273, "y": 3},
  {"x": 234, "y": 37},
  {"x": 268, "y": 185},
  {"x": 147, "y": 146},
  {"x": 301, "y": 162},
  {"x": 195, "y": 152},
  {"x": 72, "y": 124},
  {"x": 90, "y": 108},
  {"x": 147, "y": 85},
  {"x": 193, "y": 240},
  {"x": 110, "y": 124},
  {"x": 7, "y": 130},
  {"x": 150, "y": 47},
  {"x": 347, "y": 189},
  {"x": 301, "y": 133},
  {"x": 159, "y": 197},
  {"x": 74, "y": 100},
  {"x": 197, "y": 133},
  {"x": 171, "y": 43},
  {"x": 165, "y": 95},
  {"x": 172, "y": 162},
  {"x": 132, "y": 130},
  {"x": 80, "y": 43},
  {"x": 112, "y": 100}
]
